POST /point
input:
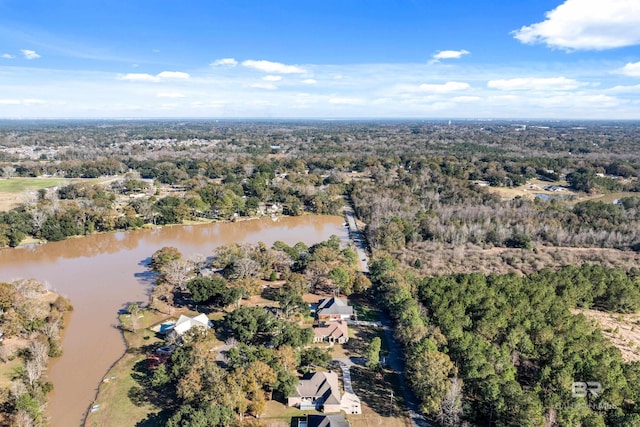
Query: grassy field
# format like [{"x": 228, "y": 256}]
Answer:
[
  {"x": 375, "y": 390},
  {"x": 12, "y": 188},
  {"x": 120, "y": 397},
  {"x": 365, "y": 309},
  {"x": 18, "y": 185},
  {"x": 359, "y": 339}
]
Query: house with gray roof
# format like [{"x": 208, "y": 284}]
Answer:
[
  {"x": 319, "y": 391},
  {"x": 332, "y": 420},
  {"x": 334, "y": 309}
]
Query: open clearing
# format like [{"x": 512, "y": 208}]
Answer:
[
  {"x": 536, "y": 187},
  {"x": 14, "y": 191},
  {"x": 623, "y": 330}
]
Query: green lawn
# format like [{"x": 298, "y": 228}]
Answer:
[
  {"x": 365, "y": 309},
  {"x": 18, "y": 185}
]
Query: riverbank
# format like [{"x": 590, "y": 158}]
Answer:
[
  {"x": 31, "y": 325},
  {"x": 115, "y": 402},
  {"x": 103, "y": 273},
  {"x": 30, "y": 240}
]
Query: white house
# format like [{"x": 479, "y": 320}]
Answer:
[{"x": 185, "y": 323}]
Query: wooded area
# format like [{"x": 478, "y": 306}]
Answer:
[{"x": 485, "y": 236}]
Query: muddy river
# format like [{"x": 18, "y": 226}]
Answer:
[{"x": 102, "y": 273}]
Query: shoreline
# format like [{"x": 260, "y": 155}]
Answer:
[
  {"x": 31, "y": 241},
  {"x": 124, "y": 332}
]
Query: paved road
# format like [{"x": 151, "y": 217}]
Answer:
[
  {"x": 358, "y": 238},
  {"x": 396, "y": 363},
  {"x": 394, "y": 358}
]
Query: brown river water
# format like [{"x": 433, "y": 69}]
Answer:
[{"x": 102, "y": 273}]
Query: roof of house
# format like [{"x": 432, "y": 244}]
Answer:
[
  {"x": 332, "y": 420},
  {"x": 185, "y": 323},
  {"x": 335, "y": 330},
  {"x": 320, "y": 384},
  {"x": 334, "y": 305}
]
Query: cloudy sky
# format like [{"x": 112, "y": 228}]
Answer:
[{"x": 320, "y": 58}]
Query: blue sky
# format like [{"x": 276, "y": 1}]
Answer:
[{"x": 320, "y": 59}]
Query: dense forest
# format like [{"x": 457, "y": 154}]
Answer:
[{"x": 506, "y": 349}]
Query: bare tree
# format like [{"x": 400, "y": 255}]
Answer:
[
  {"x": 178, "y": 272},
  {"x": 282, "y": 262},
  {"x": 8, "y": 171},
  {"x": 38, "y": 218},
  {"x": 23, "y": 419},
  {"x": 17, "y": 388},
  {"x": 451, "y": 407},
  {"x": 245, "y": 267},
  {"x": 134, "y": 315},
  {"x": 33, "y": 371},
  {"x": 162, "y": 298},
  {"x": 39, "y": 352},
  {"x": 52, "y": 329}
]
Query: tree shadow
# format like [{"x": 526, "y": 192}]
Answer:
[
  {"x": 137, "y": 395},
  {"x": 144, "y": 392},
  {"x": 375, "y": 388},
  {"x": 157, "y": 419}
]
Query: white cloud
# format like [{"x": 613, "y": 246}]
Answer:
[
  {"x": 586, "y": 25},
  {"x": 272, "y": 78},
  {"x": 345, "y": 101},
  {"x": 450, "y": 54},
  {"x": 29, "y": 54},
  {"x": 310, "y": 81},
  {"x": 138, "y": 77},
  {"x": 144, "y": 77},
  {"x": 224, "y": 62},
  {"x": 269, "y": 86},
  {"x": 173, "y": 75},
  {"x": 444, "y": 87},
  {"x": 7, "y": 56},
  {"x": 535, "y": 83},
  {"x": 466, "y": 98},
  {"x": 21, "y": 102},
  {"x": 170, "y": 95},
  {"x": 273, "y": 67},
  {"x": 624, "y": 89},
  {"x": 632, "y": 69}
]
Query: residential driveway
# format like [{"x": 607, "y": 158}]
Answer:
[
  {"x": 363, "y": 323},
  {"x": 351, "y": 361},
  {"x": 346, "y": 378},
  {"x": 350, "y": 401}
]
